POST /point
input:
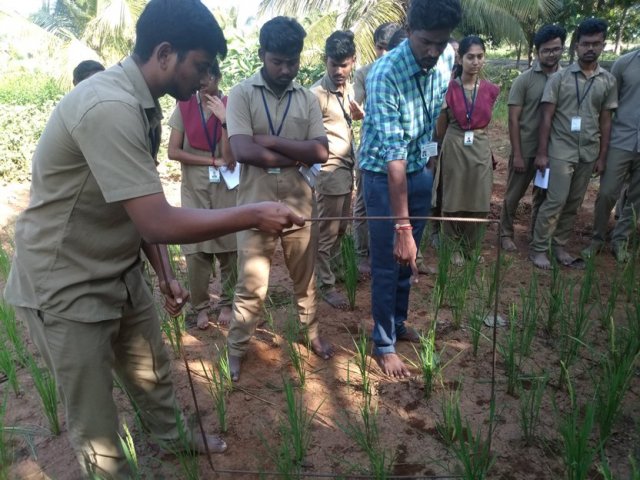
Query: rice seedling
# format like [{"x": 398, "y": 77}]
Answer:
[
  {"x": 607, "y": 309},
  {"x": 183, "y": 450},
  {"x": 366, "y": 435},
  {"x": 605, "y": 469},
  {"x": 6, "y": 453},
  {"x": 362, "y": 362},
  {"x": 445, "y": 252},
  {"x": 471, "y": 448},
  {"x": 509, "y": 351},
  {"x": 5, "y": 264},
  {"x": 291, "y": 335},
  {"x": 428, "y": 359},
  {"x": 574, "y": 326},
  {"x": 447, "y": 427},
  {"x": 555, "y": 298},
  {"x": 130, "y": 454},
  {"x": 217, "y": 388},
  {"x": 530, "y": 404},
  {"x": 530, "y": 313},
  {"x": 224, "y": 368},
  {"x": 349, "y": 268},
  {"x": 575, "y": 429},
  {"x": 457, "y": 290},
  {"x": 616, "y": 371},
  {"x": 12, "y": 332},
  {"x": 47, "y": 390},
  {"x": 8, "y": 366},
  {"x": 296, "y": 431},
  {"x": 174, "y": 328},
  {"x": 477, "y": 314}
]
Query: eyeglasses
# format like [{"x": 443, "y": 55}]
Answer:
[
  {"x": 594, "y": 45},
  {"x": 551, "y": 51}
]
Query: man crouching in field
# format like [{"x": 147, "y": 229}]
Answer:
[{"x": 96, "y": 202}]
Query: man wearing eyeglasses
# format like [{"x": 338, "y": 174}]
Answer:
[
  {"x": 574, "y": 137},
  {"x": 524, "y": 116}
]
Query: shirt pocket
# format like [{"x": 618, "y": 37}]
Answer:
[{"x": 297, "y": 128}]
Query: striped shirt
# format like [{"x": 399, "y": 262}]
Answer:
[{"x": 396, "y": 122}]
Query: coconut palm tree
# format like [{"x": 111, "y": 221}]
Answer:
[
  {"x": 510, "y": 20},
  {"x": 105, "y": 26}
]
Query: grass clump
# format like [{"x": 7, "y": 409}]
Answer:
[
  {"x": 530, "y": 404},
  {"x": 349, "y": 268},
  {"x": 47, "y": 390},
  {"x": 130, "y": 454},
  {"x": 292, "y": 334}
]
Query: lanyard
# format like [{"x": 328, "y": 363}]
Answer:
[
  {"x": 347, "y": 117},
  {"x": 211, "y": 141},
  {"x": 424, "y": 102},
  {"x": 473, "y": 102},
  {"x": 266, "y": 109},
  {"x": 586, "y": 90}
]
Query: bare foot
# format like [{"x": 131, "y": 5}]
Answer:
[
  {"x": 203, "y": 319},
  {"x": 215, "y": 443},
  {"x": 224, "y": 318},
  {"x": 568, "y": 260},
  {"x": 411, "y": 335},
  {"x": 540, "y": 260},
  {"x": 391, "y": 365},
  {"x": 335, "y": 299},
  {"x": 364, "y": 269},
  {"x": 457, "y": 259},
  {"x": 424, "y": 269},
  {"x": 234, "y": 367},
  {"x": 321, "y": 348},
  {"x": 508, "y": 245}
]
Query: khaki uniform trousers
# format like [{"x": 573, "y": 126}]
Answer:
[
  {"x": 568, "y": 182},
  {"x": 517, "y": 185},
  {"x": 255, "y": 252},
  {"x": 621, "y": 165},
  {"x": 200, "y": 267},
  {"x": 467, "y": 234},
  {"x": 84, "y": 358},
  {"x": 330, "y": 234},
  {"x": 360, "y": 227}
]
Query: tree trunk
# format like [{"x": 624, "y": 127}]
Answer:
[
  {"x": 530, "y": 50},
  {"x": 519, "y": 55}
]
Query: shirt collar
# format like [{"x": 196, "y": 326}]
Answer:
[
  {"x": 575, "y": 68},
  {"x": 257, "y": 80},
  {"x": 140, "y": 88},
  {"x": 329, "y": 85}
]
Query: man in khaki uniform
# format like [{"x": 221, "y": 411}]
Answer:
[
  {"x": 574, "y": 136},
  {"x": 623, "y": 162},
  {"x": 96, "y": 200},
  {"x": 276, "y": 133},
  {"x": 524, "y": 115},
  {"x": 381, "y": 37},
  {"x": 335, "y": 179}
]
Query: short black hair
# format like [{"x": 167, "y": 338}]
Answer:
[
  {"x": 434, "y": 14},
  {"x": 547, "y": 33},
  {"x": 283, "y": 35},
  {"x": 397, "y": 38},
  {"x": 185, "y": 24},
  {"x": 85, "y": 69},
  {"x": 384, "y": 32},
  {"x": 340, "y": 45},
  {"x": 592, "y": 26}
]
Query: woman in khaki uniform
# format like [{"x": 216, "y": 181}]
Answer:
[
  {"x": 202, "y": 151},
  {"x": 466, "y": 169}
]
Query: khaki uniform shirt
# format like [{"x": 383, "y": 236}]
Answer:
[
  {"x": 526, "y": 92},
  {"x": 336, "y": 176},
  {"x": 625, "y": 130},
  {"x": 246, "y": 115},
  {"x": 77, "y": 251},
  {"x": 582, "y": 146},
  {"x": 198, "y": 192}
]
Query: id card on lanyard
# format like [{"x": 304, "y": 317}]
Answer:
[
  {"x": 428, "y": 148},
  {"x": 468, "y": 134},
  {"x": 576, "y": 121},
  {"x": 272, "y": 130},
  {"x": 214, "y": 173}
]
